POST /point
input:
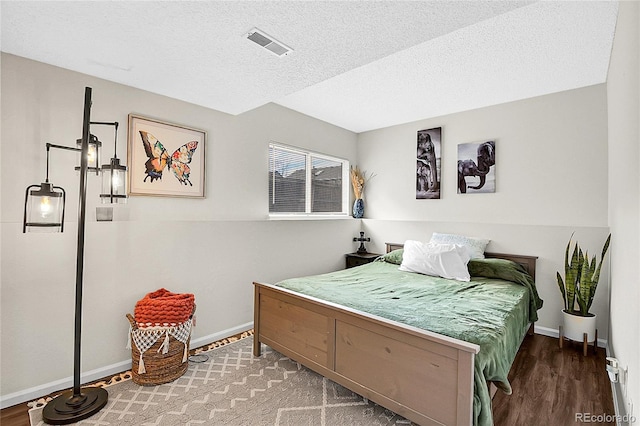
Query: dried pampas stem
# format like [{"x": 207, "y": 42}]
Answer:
[{"x": 358, "y": 179}]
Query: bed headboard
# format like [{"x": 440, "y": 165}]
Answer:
[{"x": 527, "y": 262}]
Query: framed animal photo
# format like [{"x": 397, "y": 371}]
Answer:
[
  {"x": 165, "y": 159},
  {"x": 477, "y": 167},
  {"x": 428, "y": 163}
]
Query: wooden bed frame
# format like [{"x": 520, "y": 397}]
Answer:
[{"x": 392, "y": 364}]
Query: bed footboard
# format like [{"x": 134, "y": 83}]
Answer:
[{"x": 423, "y": 376}]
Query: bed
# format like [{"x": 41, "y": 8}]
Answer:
[{"x": 428, "y": 377}]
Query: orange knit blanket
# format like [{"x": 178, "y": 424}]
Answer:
[{"x": 163, "y": 307}]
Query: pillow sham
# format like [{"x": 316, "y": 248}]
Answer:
[
  {"x": 509, "y": 271},
  {"x": 475, "y": 246},
  {"x": 493, "y": 268},
  {"x": 442, "y": 260},
  {"x": 394, "y": 256}
]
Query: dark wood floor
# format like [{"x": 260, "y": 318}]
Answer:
[{"x": 550, "y": 385}]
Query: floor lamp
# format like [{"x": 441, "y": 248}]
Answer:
[{"x": 44, "y": 211}]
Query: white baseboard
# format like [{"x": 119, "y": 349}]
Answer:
[
  {"x": 39, "y": 391},
  {"x": 205, "y": 340},
  {"x": 66, "y": 383},
  {"x": 552, "y": 332}
]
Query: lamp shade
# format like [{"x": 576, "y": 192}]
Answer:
[
  {"x": 44, "y": 208},
  {"x": 93, "y": 155},
  {"x": 114, "y": 179}
]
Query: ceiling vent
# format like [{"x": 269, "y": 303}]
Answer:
[{"x": 268, "y": 42}]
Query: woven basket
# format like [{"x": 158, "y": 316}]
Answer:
[{"x": 160, "y": 368}]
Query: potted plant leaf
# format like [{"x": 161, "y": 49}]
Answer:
[{"x": 581, "y": 276}]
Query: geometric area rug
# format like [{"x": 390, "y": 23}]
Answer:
[{"x": 233, "y": 387}]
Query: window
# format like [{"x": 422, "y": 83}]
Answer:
[{"x": 306, "y": 183}]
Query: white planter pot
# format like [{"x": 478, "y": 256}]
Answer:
[{"x": 575, "y": 326}]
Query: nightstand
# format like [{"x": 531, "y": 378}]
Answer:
[{"x": 357, "y": 259}]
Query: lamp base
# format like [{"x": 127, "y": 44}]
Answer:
[{"x": 68, "y": 408}]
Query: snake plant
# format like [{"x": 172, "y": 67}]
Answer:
[{"x": 581, "y": 278}]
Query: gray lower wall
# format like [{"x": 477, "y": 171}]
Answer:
[{"x": 215, "y": 260}]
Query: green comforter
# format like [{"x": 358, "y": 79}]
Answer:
[{"x": 492, "y": 311}]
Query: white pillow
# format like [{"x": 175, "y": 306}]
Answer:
[
  {"x": 442, "y": 260},
  {"x": 475, "y": 246}
]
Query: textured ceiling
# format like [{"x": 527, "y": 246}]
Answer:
[{"x": 358, "y": 64}]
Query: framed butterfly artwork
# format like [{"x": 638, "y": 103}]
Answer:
[{"x": 165, "y": 159}]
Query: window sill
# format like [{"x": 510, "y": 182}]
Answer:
[{"x": 309, "y": 217}]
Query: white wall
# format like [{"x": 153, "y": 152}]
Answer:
[
  {"x": 623, "y": 89},
  {"x": 551, "y": 180},
  {"x": 551, "y": 163},
  {"x": 213, "y": 247}
]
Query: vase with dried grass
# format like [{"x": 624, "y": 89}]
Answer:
[{"x": 358, "y": 180}]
